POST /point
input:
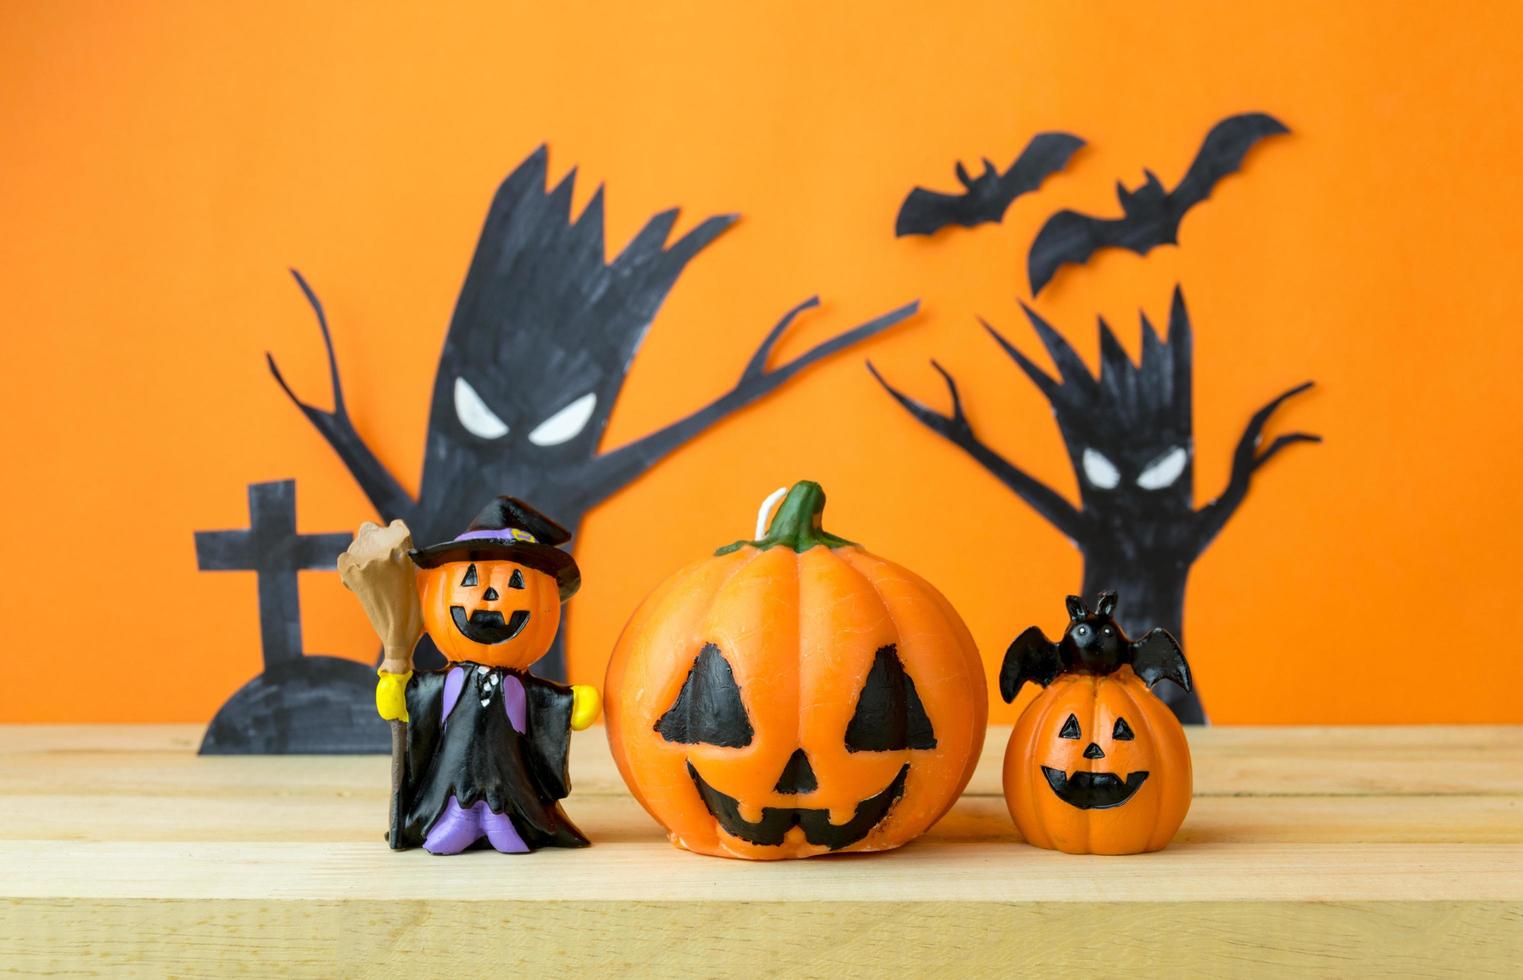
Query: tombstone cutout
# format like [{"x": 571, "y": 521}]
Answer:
[{"x": 300, "y": 703}]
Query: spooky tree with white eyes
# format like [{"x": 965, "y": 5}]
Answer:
[
  {"x": 541, "y": 341},
  {"x": 1130, "y": 439}
]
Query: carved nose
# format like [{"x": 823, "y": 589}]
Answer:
[
  {"x": 1093, "y": 751},
  {"x": 489, "y": 594},
  {"x": 798, "y": 775}
]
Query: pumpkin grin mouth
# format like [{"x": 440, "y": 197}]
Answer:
[
  {"x": 486, "y": 626},
  {"x": 1093, "y": 790},
  {"x": 818, "y": 830}
]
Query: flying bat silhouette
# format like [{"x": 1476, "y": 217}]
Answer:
[
  {"x": 1151, "y": 214},
  {"x": 987, "y": 196},
  {"x": 1093, "y": 643}
]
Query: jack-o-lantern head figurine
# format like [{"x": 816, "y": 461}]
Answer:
[
  {"x": 478, "y": 748},
  {"x": 493, "y": 595},
  {"x": 1097, "y": 763},
  {"x": 795, "y": 695}
]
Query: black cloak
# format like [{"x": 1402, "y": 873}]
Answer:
[{"x": 477, "y": 753}]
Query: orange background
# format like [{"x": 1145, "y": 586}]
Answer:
[{"x": 164, "y": 164}]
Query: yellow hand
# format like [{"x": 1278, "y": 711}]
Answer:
[
  {"x": 391, "y": 695},
  {"x": 586, "y": 703}
]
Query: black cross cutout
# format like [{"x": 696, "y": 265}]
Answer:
[{"x": 272, "y": 549}]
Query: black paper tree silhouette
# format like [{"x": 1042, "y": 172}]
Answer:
[
  {"x": 1129, "y": 435},
  {"x": 541, "y": 340}
]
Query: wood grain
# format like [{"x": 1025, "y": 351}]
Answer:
[
  {"x": 1323, "y": 851},
  {"x": 466, "y": 938}
]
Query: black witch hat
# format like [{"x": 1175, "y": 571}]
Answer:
[{"x": 508, "y": 529}]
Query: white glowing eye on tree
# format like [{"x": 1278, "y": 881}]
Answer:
[
  {"x": 1164, "y": 470},
  {"x": 1100, "y": 471},
  {"x": 565, "y": 424},
  {"x": 474, "y": 414}
]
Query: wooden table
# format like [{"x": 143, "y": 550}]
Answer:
[{"x": 1328, "y": 851}]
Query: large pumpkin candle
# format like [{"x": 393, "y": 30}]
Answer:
[{"x": 795, "y": 695}]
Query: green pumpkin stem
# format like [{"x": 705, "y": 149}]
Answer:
[{"x": 796, "y": 524}]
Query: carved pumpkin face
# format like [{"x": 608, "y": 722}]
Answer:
[
  {"x": 795, "y": 696},
  {"x": 497, "y": 613},
  {"x": 1098, "y": 764}
]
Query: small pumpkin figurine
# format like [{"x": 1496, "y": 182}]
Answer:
[
  {"x": 795, "y": 695},
  {"x": 479, "y": 748},
  {"x": 1097, "y": 764}
]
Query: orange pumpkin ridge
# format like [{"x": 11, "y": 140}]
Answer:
[{"x": 794, "y": 696}]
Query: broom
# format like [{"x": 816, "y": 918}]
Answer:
[{"x": 377, "y": 568}]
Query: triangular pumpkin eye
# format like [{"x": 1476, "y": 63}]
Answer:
[
  {"x": 708, "y": 709},
  {"x": 889, "y": 714},
  {"x": 516, "y": 580},
  {"x": 470, "y": 577},
  {"x": 1122, "y": 732},
  {"x": 1070, "y": 728}
]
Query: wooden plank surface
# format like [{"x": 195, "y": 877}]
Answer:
[
  {"x": 1484, "y": 760},
  {"x": 1328, "y": 851}
]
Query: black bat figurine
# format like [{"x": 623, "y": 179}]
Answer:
[
  {"x": 987, "y": 196},
  {"x": 1151, "y": 215},
  {"x": 1093, "y": 644}
]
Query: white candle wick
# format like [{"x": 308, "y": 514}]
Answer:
[{"x": 766, "y": 510}]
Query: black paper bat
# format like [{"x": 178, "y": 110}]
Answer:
[
  {"x": 987, "y": 196},
  {"x": 1151, "y": 214},
  {"x": 1093, "y": 643}
]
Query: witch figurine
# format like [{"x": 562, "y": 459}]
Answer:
[{"x": 479, "y": 747}]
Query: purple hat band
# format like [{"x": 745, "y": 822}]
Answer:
[{"x": 507, "y": 535}]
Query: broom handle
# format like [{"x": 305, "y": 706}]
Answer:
[
  {"x": 398, "y": 660},
  {"x": 378, "y": 568},
  {"x": 398, "y": 768}
]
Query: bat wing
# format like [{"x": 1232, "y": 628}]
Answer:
[
  {"x": 1031, "y": 657},
  {"x": 1045, "y": 155},
  {"x": 1157, "y": 657},
  {"x": 1222, "y": 154},
  {"x": 1069, "y": 237},
  {"x": 926, "y": 212}
]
